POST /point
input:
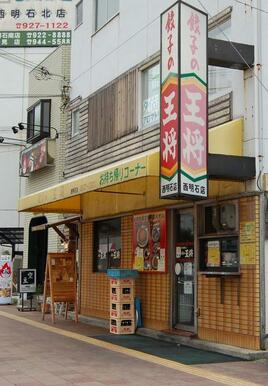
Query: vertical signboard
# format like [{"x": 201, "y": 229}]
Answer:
[
  {"x": 184, "y": 128},
  {"x": 169, "y": 118},
  {"x": 5, "y": 279}
]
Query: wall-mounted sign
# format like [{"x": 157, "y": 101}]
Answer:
[
  {"x": 35, "y": 38},
  {"x": 149, "y": 242},
  {"x": 5, "y": 279},
  {"x": 29, "y": 23},
  {"x": 183, "y": 123},
  {"x": 36, "y": 157},
  {"x": 27, "y": 280}
]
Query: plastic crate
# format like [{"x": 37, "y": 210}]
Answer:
[
  {"x": 124, "y": 293},
  {"x": 122, "y": 326},
  {"x": 122, "y": 310},
  {"x": 122, "y": 273},
  {"x": 114, "y": 282}
]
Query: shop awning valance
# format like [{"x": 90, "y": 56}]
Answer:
[{"x": 66, "y": 196}]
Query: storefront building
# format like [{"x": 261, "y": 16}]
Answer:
[{"x": 201, "y": 261}]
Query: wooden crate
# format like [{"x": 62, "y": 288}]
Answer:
[
  {"x": 122, "y": 326},
  {"x": 122, "y": 310}
]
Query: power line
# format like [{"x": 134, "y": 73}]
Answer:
[
  {"x": 251, "y": 6},
  {"x": 236, "y": 50},
  {"x": 18, "y": 96}
]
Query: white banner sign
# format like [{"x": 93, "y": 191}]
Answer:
[{"x": 5, "y": 279}]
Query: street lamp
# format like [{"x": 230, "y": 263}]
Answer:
[{"x": 23, "y": 125}]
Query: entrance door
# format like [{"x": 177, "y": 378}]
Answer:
[{"x": 184, "y": 271}]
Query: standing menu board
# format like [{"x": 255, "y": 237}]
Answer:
[
  {"x": 149, "y": 241},
  {"x": 60, "y": 282}
]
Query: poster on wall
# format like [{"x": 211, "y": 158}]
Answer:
[
  {"x": 213, "y": 254},
  {"x": 184, "y": 106},
  {"x": 31, "y": 23},
  {"x": 149, "y": 242},
  {"x": 5, "y": 279}
]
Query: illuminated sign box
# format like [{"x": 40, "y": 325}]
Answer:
[
  {"x": 183, "y": 123},
  {"x": 36, "y": 157}
]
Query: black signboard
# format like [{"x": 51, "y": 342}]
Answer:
[{"x": 27, "y": 280}]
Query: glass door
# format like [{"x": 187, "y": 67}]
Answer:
[{"x": 184, "y": 271}]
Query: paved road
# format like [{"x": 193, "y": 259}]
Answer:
[{"x": 34, "y": 354}]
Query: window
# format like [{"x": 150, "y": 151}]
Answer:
[
  {"x": 107, "y": 244},
  {"x": 38, "y": 121},
  {"x": 79, "y": 13},
  {"x": 218, "y": 244},
  {"x": 150, "y": 85},
  {"x": 220, "y": 79},
  {"x": 75, "y": 122},
  {"x": 105, "y": 10}
]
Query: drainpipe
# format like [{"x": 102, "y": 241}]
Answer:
[{"x": 263, "y": 199}]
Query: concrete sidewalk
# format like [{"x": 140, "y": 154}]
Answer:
[{"x": 25, "y": 337}]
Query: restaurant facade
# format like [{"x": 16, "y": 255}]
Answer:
[{"x": 195, "y": 234}]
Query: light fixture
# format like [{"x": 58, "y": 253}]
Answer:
[
  {"x": 23, "y": 125},
  {"x": 19, "y": 142}
]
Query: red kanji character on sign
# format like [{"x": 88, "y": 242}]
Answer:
[
  {"x": 193, "y": 23},
  {"x": 170, "y": 63},
  {"x": 170, "y": 25},
  {"x": 194, "y": 64},
  {"x": 193, "y": 45},
  {"x": 170, "y": 45}
]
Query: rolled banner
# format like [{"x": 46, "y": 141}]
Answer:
[{"x": 5, "y": 279}]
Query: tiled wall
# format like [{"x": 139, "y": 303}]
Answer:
[
  {"x": 237, "y": 320},
  {"x": 153, "y": 289}
]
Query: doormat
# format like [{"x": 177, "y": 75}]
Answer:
[{"x": 172, "y": 351}]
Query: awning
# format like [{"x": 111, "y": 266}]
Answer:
[
  {"x": 133, "y": 183},
  {"x": 11, "y": 236},
  {"x": 66, "y": 196}
]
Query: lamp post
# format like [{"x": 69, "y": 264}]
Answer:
[{"x": 23, "y": 125}]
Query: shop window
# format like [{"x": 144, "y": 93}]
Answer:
[
  {"x": 105, "y": 10},
  {"x": 38, "y": 121},
  {"x": 79, "y": 13},
  {"x": 107, "y": 244},
  {"x": 150, "y": 85},
  {"x": 75, "y": 122},
  {"x": 218, "y": 244}
]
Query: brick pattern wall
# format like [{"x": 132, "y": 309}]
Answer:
[
  {"x": 237, "y": 321},
  {"x": 153, "y": 289}
]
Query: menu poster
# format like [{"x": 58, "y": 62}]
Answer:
[
  {"x": 149, "y": 242},
  {"x": 5, "y": 279},
  {"x": 214, "y": 256}
]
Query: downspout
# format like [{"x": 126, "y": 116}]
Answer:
[{"x": 263, "y": 200}]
